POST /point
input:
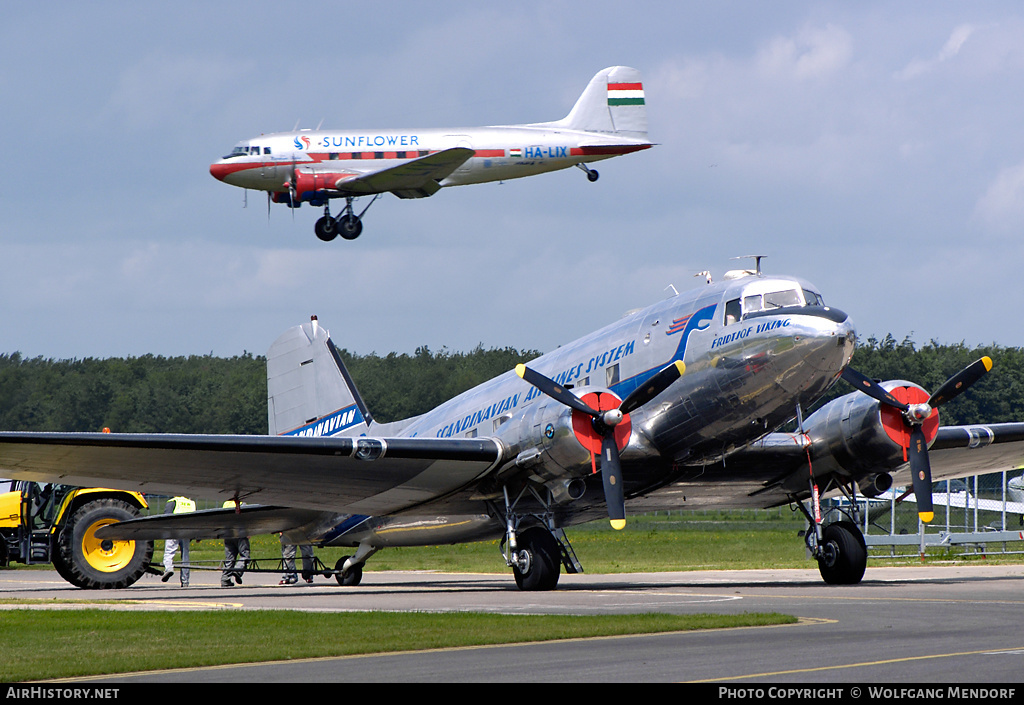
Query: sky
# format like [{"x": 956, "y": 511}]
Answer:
[{"x": 872, "y": 148}]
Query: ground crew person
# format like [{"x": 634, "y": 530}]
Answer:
[
  {"x": 177, "y": 505},
  {"x": 236, "y": 554}
]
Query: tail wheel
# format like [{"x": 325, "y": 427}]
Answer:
[
  {"x": 92, "y": 563},
  {"x": 352, "y": 576},
  {"x": 540, "y": 567},
  {"x": 844, "y": 554}
]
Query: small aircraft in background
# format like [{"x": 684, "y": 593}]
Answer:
[
  {"x": 674, "y": 406},
  {"x": 315, "y": 166}
]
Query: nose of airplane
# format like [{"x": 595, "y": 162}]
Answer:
[{"x": 220, "y": 170}]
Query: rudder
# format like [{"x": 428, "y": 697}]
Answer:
[{"x": 309, "y": 390}]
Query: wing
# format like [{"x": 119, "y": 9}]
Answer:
[
  {"x": 415, "y": 178},
  {"x": 213, "y": 524},
  {"x": 362, "y": 475}
]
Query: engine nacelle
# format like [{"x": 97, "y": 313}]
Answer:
[
  {"x": 559, "y": 444},
  {"x": 857, "y": 436},
  {"x": 307, "y": 183}
]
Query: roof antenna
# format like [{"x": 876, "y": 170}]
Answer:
[
  {"x": 757, "y": 259},
  {"x": 673, "y": 288},
  {"x": 319, "y": 123}
]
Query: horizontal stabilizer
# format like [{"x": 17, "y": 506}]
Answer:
[{"x": 211, "y": 524}]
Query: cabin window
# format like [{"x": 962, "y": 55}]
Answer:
[
  {"x": 501, "y": 420},
  {"x": 611, "y": 375},
  {"x": 266, "y": 150}
]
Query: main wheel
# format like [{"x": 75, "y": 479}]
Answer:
[
  {"x": 845, "y": 555},
  {"x": 88, "y": 562},
  {"x": 353, "y": 576},
  {"x": 542, "y": 562},
  {"x": 325, "y": 228},
  {"x": 350, "y": 226}
]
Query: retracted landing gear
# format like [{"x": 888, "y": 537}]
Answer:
[
  {"x": 347, "y": 223},
  {"x": 537, "y": 553},
  {"x": 838, "y": 547},
  {"x": 592, "y": 174}
]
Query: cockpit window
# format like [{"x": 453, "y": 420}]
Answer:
[
  {"x": 736, "y": 310},
  {"x": 812, "y": 298},
  {"x": 779, "y": 299}
]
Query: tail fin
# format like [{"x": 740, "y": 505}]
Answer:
[
  {"x": 309, "y": 390},
  {"x": 612, "y": 102}
]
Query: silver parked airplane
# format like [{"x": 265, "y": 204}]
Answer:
[
  {"x": 314, "y": 166},
  {"x": 676, "y": 405}
]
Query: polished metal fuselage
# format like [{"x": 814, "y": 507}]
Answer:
[{"x": 744, "y": 378}]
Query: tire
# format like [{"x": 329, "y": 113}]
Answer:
[
  {"x": 846, "y": 554},
  {"x": 544, "y": 560},
  {"x": 325, "y": 229},
  {"x": 349, "y": 226},
  {"x": 87, "y": 562},
  {"x": 354, "y": 575}
]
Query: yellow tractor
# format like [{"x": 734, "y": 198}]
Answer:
[{"x": 50, "y": 523}]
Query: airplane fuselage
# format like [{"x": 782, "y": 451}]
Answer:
[
  {"x": 754, "y": 348},
  {"x": 265, "y": 163}
]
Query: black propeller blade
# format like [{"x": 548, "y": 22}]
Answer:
[
  {"x": 604, "y": 423},
  {"x": 914, "y": 417}
]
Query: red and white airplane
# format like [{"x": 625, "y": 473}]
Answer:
[{"x": 314, "y": 166}]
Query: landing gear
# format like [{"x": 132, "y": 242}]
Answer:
[
  {"x": 347, "y": 223},
  {"x": 592, "y": 174},
  {"x": 352, "y": 576},
  {"x": 536, "y": 554},
  {"x": 843, "y": 554},
  {"x": 839, "y": 547}
]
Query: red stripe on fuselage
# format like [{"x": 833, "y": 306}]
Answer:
[{"x": 609, "y": 150}]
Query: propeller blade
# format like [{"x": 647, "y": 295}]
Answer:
[
  {"x": 654, "y": 386},
  {"x": 920, "y": 468},
  {"x": 872, "y": 388},
  {"x": 555, "y": 391},
  {"x": 960, "y": 382},
  {"x": 611, "y": 475}
]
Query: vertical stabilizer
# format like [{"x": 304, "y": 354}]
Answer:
[
  {"x": 613, "y": 101},
  {"x": 309, "y": 390}
]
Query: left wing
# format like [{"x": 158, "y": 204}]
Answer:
[
  {"x": 362, "y": 475},
  {"x": 416, "y": 178},
  {"x": 958, "y": 451}
]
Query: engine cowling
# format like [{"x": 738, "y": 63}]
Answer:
[
  {"x": 858, "y": 437},
  {"x": 562, "y": 442}
]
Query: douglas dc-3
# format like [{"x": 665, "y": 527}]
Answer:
[
  {"x": 676, "y": 405},
  {"x": 307, "y": 166}
]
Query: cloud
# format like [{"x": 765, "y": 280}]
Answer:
[
  {"x": 1001, "y": 207},
  {"x": 950, "y": 50},
  {"x": 813, "y": 52}
]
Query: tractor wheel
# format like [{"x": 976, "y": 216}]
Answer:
[{"x": 88, "y": 562}]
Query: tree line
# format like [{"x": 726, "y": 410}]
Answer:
[{"x": 206, "y": 394}]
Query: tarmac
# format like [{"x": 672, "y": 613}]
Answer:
[{"x": 945, "y": 625}]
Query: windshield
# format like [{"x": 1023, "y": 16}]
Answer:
[{"x": 736, "y": 309}]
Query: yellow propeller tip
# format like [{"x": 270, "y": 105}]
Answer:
[
  {"x": 926, "y": 517},
  {"x": 520, "y": 369},
  {"x": 987, "y": 362},
  {"x": 681, "y": 367},
  {"x": 618, "y": 524}
]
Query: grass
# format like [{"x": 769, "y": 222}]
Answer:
[{"x": 67, "y": 643}]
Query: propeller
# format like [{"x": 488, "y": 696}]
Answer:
[
  {"x": 914, "y": 415},
  {"x": 610, "y": 422}
]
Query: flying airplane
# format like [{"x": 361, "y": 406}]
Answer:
[
  {"x": 315, "y": 166},
  {"x": 676, "y": 405}
]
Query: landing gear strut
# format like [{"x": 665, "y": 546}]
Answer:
[
  {"x": 838, "y": 547},
  {"x": 537, "y": 553},
  {"x": 592, "y": 174},
  {"x": 347, "y": 223}
]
